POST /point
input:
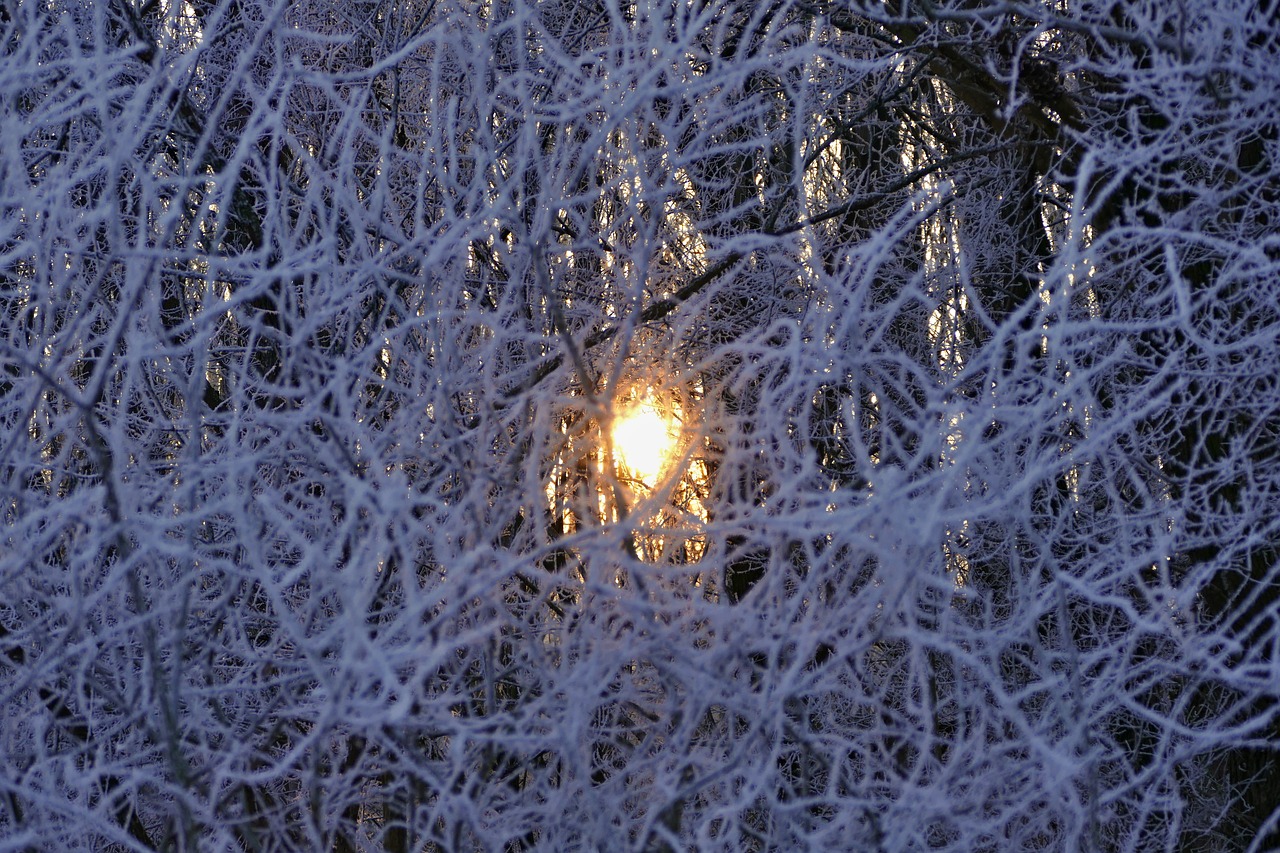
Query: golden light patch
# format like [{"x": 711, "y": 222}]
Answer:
[{"x": 643, "y": 441}]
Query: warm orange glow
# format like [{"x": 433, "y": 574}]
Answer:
[{"x": 643, "y": 440}]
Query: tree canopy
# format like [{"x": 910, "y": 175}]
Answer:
[{"x": 954, "y": 524}]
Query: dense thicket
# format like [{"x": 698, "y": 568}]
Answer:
[{"x": 314, "y": 319}]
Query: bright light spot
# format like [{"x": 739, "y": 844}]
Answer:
[{"x": 643, "y": 440}]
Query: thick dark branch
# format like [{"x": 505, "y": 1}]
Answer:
[{"x": 652, "y": 312}]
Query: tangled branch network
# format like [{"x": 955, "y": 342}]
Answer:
[{"x": 704, "y": 425}]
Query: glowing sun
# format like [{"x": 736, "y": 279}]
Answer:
[{"x": 643, "y": 439}]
